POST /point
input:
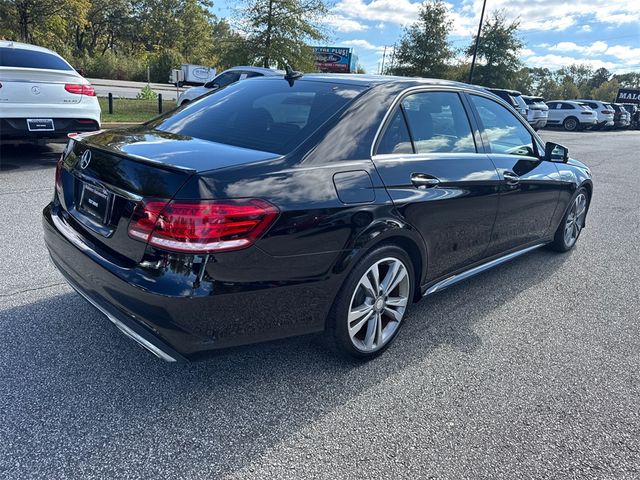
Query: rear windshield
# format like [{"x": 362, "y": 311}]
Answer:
[
  {"x": 261, "y": 114},
  {"x": 22, "y": 58}
]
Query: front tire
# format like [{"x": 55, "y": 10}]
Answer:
[
  {"x": 572, "y": 223},
  {"x": 368, "y": 312}
]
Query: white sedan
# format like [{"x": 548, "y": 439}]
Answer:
[
  {"x": 234, "y": 74},
  {"x": 42, "y": 96}
]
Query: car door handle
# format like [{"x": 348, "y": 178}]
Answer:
[
  {"x": 510, "y": 177},
  {"x": 422, "y": 180}
]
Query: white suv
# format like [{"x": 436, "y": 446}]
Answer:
[
  {"x": 604, "y": 111},
  {"x": 570, "y": 115},
  {"x": 42, "y": 96},
  {"x": 538, "y": 111},
  {"x": 234, "y": 74}
]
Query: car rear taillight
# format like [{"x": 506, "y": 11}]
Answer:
[
  {"x": 80, "y": 89},
  {"x": 201, "y": 226},
  {"x": 607, "y": 112},
  {"x": 586, "y": 113}
]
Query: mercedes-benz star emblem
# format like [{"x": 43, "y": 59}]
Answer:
[
  {"x": 35, "y": 90},
  {"x": 85, "y": 159}
]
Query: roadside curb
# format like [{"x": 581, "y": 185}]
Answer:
[{"x": 110, "y": 125}]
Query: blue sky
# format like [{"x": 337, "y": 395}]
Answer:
[{"x": 601, "y": 33}]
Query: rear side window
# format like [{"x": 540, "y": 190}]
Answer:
[
  {"x": 260, "y": 114},
  {"x": 567, "y": 106},
  {"x": 438, "y": 123},
  {"x": 22, "y": 58},
  {"x": 506, "y": 134},
  {"x": 396, "y": 137}
]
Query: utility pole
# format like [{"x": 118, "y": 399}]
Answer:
[
  {"x": 475, "y": 49},
  {"x": 384, "y": 53}
]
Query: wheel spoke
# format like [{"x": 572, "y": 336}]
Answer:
[
  {"x": 390, "y": 277},
  {"x": 375, "y": 274},
  {"x": 394, "y": 314},
  {"x": 371, "y": 332},
  {"x": 366, "y": 283},
  {"x": 358, "y": 326},
  {"x": 378, "y": 330},
  {"x": 396, "y": 302},
  {"x": 359, "y": 312},
  {"x": 402, "y": 274}
]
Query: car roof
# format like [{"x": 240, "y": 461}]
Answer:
[
  {"x": 367, "y": 80},
  {"x": 262, "y": 70},
  {"x": 590, "y": 100},
  {"x": 515, "y": 93},
  {"x": 25, "y": 46}
]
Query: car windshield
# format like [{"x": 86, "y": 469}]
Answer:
[
  {"x": 260, "y": 114},
  {"x": 520, "y": 101},
  {"x": 23, "y": 58}
]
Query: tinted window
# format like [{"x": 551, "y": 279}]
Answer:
[
  {"x": 506, "y": 134},
  {"x": 21, "y": 58},
  {"x": 438, "y": 123},
  {"x": 567, "y": 106},
  {"x": 396, "y": 136},
  {"x": 261, "y": 114},
  {"x": 252, "y": 74},
  {"x": 227, "y": 78}
]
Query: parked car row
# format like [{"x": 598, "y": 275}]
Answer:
[{"x": 579, "y": 114}]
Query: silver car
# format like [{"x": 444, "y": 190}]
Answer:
[
  {"x": 571, "y": 115},
  {"x": 603, "y": 110},
  {"x": 538, "y": 111},
  {"x": 233, "y": 75}
]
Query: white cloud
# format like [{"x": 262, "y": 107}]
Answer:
[
  {"x": 527, "y": 52},
  {"x": 585, "y": 28},
  {"x": 362, "y": 44},
  {"x": 341, "y": 24},
  {"x": 596, "y": 48},
  {"x": 553, "y": 62}
]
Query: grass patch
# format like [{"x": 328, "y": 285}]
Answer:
[{"x": 132, "y": 109}]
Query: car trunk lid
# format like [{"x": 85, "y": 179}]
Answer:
[
  {"x": 106, "y": 175},
  {"x": 43, "y": 87}
]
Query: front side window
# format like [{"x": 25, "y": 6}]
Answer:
[
  {"x": 505, "y": 133},
  {"x": 438, "y": 123}
]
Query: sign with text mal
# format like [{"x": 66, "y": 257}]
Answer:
[{"x": 628, "y": 95}]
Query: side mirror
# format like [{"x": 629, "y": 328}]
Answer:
[{"x": 554, "y": 152}]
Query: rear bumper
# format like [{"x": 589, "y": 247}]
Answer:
[
  {"x": 17, "y": 128},
  {"x": 538, "y": 123},
  {"x": 181, "y": 309}
]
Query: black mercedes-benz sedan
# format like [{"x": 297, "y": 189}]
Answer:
[{"x": 284, "y": 206}]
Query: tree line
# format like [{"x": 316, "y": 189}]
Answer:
[
  {"x": 137, "y": 39},
  {"x": 425, "y": 50},
  {"x": 144, "y": 39}
]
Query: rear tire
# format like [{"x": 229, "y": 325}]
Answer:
[
  {"x": 572, "y": 223},
  {"x": 571, "y": 124},
  {"x": 371, "y": 305}
]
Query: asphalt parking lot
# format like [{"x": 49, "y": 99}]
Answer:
[{"x": 531, "y": 370}]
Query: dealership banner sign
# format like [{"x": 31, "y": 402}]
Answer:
[
  {"x": 628, "y": 95},
  {"x": 334, "y": 59}
]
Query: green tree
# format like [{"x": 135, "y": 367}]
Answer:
[
  {"x": 628, "y": 80},
  {"x": 599, "y": 77},
  {"x": 278, "y": 31},
  {"x": 424, "y": 49},
  {"x": 498, "y": 52},
  {"x": 607, "y": 91}
]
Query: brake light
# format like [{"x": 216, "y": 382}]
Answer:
[
  {"x": 607, "y": 112},
  {"x": 80, "y": 89},
  {"x": 201, "y": 226},
  {"x": 586, "y": 113}
]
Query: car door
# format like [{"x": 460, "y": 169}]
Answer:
[
  {"x": 428, "y": 160},
  {"x": 530, "y": 186}
]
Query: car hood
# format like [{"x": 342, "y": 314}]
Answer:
[
  {"x": 172, "y": 151},
  {"x": 195, "y": 92}
]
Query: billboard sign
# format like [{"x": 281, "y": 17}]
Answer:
[
  {"x": 628, "y": 95},
  {"x": 333, "y": 59}
]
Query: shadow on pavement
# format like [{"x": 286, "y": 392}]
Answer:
[
  {"x": 78, "y": 396},
  {"x": 28, "y": 156}
]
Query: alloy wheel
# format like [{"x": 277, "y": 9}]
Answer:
[
  {"x": 570, "y": 124},
  {"x": 575, "y": 220},
  {"x": 378, "y": 304}
]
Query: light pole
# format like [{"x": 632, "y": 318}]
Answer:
[{"x": 475, "y": 49}]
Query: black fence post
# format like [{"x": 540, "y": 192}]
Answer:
[
  {"x": 110, "y": 103},
  {"x": 159, "y": 103}
]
